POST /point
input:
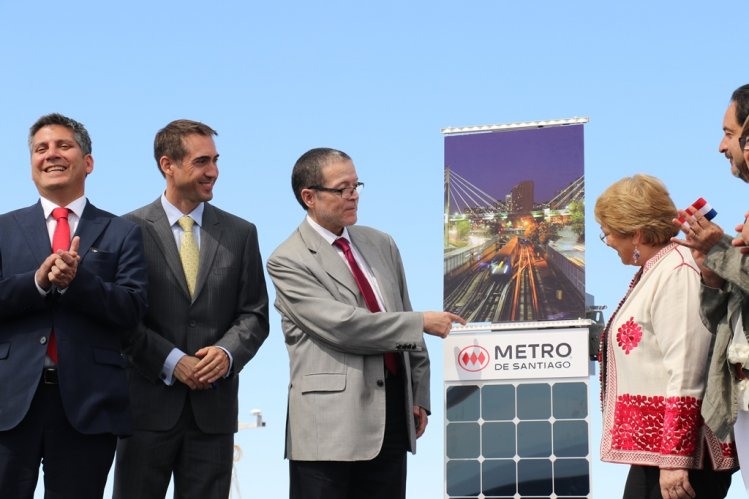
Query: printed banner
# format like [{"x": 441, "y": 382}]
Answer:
[{"x": 514, "y": 224}]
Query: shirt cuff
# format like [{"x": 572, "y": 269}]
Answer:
[
  {"x": 231, "y": 361},
  {"x": 39, "y": 288},
  {"x": 167, "y": 372}
]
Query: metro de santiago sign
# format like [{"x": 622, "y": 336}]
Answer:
[{"x": 516, "y": 354}]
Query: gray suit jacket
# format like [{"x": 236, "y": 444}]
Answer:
[
  {"x": 719, "y": 309},
  {"x": 230, "y": 309},
  {"x": 337, "y": 395}
]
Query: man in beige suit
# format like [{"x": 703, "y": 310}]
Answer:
[{"x": 359, "y": 391}]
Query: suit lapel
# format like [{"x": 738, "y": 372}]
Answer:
[
  {"x": 90, "y": 227},
  {"x": 210, "y": 236},
  {"x": 33, "y": 227},
  {"x": 328, "y": 258},
  {"x": 162, "y": 233}
]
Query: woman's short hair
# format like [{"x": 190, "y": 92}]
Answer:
[{"x": 638, "y": 203}]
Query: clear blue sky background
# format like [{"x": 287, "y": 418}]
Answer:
[{"x": 378, "y": 80}]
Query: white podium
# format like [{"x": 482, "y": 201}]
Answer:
[{"x": 516, "y": 411}]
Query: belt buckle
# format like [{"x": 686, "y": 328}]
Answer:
[{"x": 49, "y": 376}]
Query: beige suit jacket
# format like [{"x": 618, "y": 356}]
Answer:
[{"x": 336, "y": 397}]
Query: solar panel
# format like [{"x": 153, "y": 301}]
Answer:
[{"x": 513, "y": 440}]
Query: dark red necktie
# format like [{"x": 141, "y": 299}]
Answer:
[
  {"x": 60, "y": 241},
  {"x": 391, "y": 361}
]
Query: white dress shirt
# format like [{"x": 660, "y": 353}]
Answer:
[
  {"x": 366, "y": 269},
  {"x": 173, "y": 214},
  {"x": 74, "y": 216}
]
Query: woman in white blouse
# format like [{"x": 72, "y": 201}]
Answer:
[{"x": 654, "y": 354}]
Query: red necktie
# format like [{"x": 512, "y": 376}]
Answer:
[
  {"x": 60, "y": 241},
  {"x": 391, "y": 361}
]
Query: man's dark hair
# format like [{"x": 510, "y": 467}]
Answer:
[
  {"x": 308, "y": 169},
  {"x": 168, "y": 141},
  {"x": 741, "y": 97},
  {"x": 79, "y": 131}
]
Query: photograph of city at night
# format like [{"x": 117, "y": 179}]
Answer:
[{"x": 514, "y": 235}]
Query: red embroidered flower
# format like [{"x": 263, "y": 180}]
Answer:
[
  {"x": 682, "y": 423},
  {"x": 629, "y": 335},
  {"x": 638, "y": 422},
  {"x": 728, "y": 449}
]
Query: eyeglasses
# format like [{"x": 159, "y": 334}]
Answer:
[
  {"x": 344, "y": 192},
  {"x": 603, "y": 237},
  {"x": 742, "y": 142}
]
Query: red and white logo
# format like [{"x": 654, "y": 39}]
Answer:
[{"x": 473, "y": 358}]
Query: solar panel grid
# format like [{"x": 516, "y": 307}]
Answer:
[{"x": 517, "y": 440}]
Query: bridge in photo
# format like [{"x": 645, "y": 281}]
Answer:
[{"x": 496, "y": 270}]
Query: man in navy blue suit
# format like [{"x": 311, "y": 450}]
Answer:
[{"x": 72, "y": 286}]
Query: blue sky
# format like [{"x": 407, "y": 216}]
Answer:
[
  {"x": 377, "y": 80},
  {"x": 498, "y": 162}
]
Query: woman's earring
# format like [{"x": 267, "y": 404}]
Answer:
[{"x": 636, "y": 255}]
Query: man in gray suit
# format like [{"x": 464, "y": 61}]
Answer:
[
  {"x": 359, "y": 391},
  {"x": 208, "y": 315},
  {"x": 724, "y": 296}
]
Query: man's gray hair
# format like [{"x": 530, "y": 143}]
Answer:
[{"x": 79, "y": 131}]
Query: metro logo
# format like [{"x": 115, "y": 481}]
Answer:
[{"x": 473, "y": 358}]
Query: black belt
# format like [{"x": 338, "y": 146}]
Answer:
[{"x": 49, "y": 376}]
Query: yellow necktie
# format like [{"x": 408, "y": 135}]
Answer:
[{"x": 188, "y": 253}]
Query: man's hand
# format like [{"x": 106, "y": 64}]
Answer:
[
  {"x": 701, "y": 235},
  {"x": 213, "y": 365},
  {"x": 43, "y": 272},
  {"x": 59, "y": 268},
  {"x": 675, "y": 484},
  {"x": 741, "y": 241},
  {"x": 184, "y": 371},
  {"x": 65, "y": 267},
  {"x": 440, "y": 323},
  {"x": 421, "y": 419}
]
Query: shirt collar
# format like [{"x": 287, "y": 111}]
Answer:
[
  {"x": 325, "y": 233},
  {"x": 76, "y": 206},
  {"x": 173, "y": 214}
]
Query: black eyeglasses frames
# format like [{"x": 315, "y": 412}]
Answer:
[{"x": 343, "y": 192}]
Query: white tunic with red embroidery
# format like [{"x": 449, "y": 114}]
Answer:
[{"x": 654, "y": 372}]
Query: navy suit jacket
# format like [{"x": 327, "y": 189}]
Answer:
[{"x": 91, "y": 319}]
